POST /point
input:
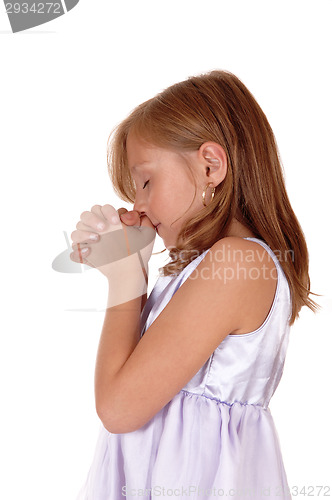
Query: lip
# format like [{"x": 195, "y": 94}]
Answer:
[{"x": 156, "y": 227}]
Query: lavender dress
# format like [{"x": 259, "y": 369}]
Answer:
[{"x": 216, "y": 437}]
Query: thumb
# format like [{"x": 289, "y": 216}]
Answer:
[
  {"x": 122, "y": 210},
  {"x": 130, "y": 218}
]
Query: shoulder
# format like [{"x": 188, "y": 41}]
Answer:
[
  {"x": 235, "y": 259},
  {"x": 236, "y": 277},
  {"x": 237, "y": 243},
  {"x": 251, "y": 269},
  {"x": 233, "y": 250}
]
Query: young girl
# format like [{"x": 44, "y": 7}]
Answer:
[{"x": 183, "y": 379}]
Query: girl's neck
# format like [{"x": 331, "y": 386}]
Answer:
[{"x": 238, "y": 229}]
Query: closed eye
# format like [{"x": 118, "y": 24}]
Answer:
[{"x": 145, "y": 183}]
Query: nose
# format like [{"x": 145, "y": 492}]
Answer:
[{"x": 140, "y": 205}]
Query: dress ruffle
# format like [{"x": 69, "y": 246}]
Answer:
[{"x": 215, "y": 449}]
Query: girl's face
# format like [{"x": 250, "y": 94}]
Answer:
[{"x": 164, "y": 187}]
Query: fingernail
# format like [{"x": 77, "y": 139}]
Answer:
[
  {"x": 84, "y": 250},
  {"x": 101, "y": 226},
  {"x": 93, "y": 236},
  {"x": 115, "y": 219},
  {"x": 127, "y": 215}
]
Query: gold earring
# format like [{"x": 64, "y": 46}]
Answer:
[{"x": 204, "y": 193}]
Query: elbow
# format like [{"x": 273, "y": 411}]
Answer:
[
  {"x": 120, "y": 415},
  {"x": 117, "y": 427},
  {"x": 107, "y": 419},
  {"x": 110, "y": 426},
  {"x": 116, "y": 423}
]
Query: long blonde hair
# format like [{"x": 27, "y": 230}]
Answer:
[{"x": 216, "y": 106}]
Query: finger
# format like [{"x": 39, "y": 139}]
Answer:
[
  {"x": 130, "y": 221},
  {"x": 93, "y": 221},
  {"x": 131, "y": 218},
  {"x": 79, "y": 256},
  {"x": 82, "y": 235},
  {"x": 84, "y": 227},
  {"x": 96, "y": 209},
  {"x": 110, "y": 214},
  {"x": 80, "y": 245},
  {"x": 123, "y": 211}
]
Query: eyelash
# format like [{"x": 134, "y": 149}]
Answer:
[{"x": 145, "y": 183}]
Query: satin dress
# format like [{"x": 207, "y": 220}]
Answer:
[{"x": 216, "y": 437}]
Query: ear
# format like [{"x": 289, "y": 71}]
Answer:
[{"x": 214, "y": 159}]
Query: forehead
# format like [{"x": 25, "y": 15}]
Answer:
[
  {"x": 139, "y": 153},
  {"x": 136, "y": 167}
]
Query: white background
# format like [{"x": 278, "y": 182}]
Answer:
[{"x": 64, "y": 86}]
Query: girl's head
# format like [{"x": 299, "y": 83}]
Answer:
[
  {"x": 208, "y": 129},
  {"x": 166, "y": 182}
]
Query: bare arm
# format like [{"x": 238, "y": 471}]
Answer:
[
  {"x": 127, "y": 285},
  {"x": 119, "y": 337}
]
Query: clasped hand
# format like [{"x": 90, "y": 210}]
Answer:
[{"x": 121, "y": 249}]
